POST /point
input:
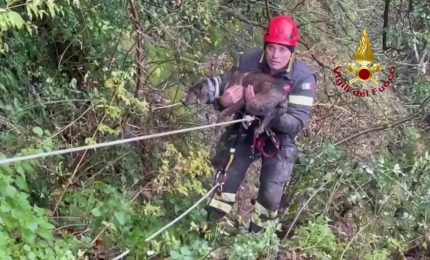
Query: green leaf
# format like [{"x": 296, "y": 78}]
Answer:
[
  {"x": 20, "y": 170},
  {"x": 32, "y": 225},
  {"x": 28, "y": 236},
  {"x": 21, "y": 183},
  {"x": 45, "y": 233},
  {"x": 37, "y": 130},
  {"x": 121, "y": 217},
  {"x": 9, "y": 191},
  {"x": 96, "y": 212},
  {"x": 185, "y": 251},
  {"x": 31, "y": 255},
  {"x": 5, "y": 207},
  {"x": 15, "y": 19},
  {"x": 27, "y": 167},
  {"x": 175, "y": 255}
]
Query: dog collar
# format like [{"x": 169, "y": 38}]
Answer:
[{"x": 213, "y": 88}]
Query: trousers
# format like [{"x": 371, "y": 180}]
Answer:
[{"x": 274, "y": 175}]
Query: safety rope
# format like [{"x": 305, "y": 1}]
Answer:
[
  {"x": 161, "y": 230},
  {"x": 121, "y": 141},
  {"x": 247, "y": 118}
]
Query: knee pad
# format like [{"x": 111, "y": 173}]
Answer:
[{"x": 270, "y": 194}]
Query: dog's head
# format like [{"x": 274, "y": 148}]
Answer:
[{"x": 197, "y": 94}]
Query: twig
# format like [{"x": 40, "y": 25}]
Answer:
[
  {"x": 333, "y": 106},
  {"x": 132, "y": 200},
  {"x": 241, "y": 17},
  {"x": 83, "y": 232},
  {"x": 107, "y": 165},
  {"x": 355, "y": 237},
  {"x": 297, "y": 5},
  {"x": 139, "y": 47},
  {"x": 49, "y": 103},
  {"x": 385, "y": 26},
  {"x": 70, "y": 225},
  {"x": 182, "y": 215},
  {"x": 122, "y": 255},
  {"x": 5, "y": 121},
  {"x": 418, "y": 113},
  {"x": 344, "y": 11},
  {"x": 315, "y": 58},
  {"x": 172, "y": 105},
  {"x": 71, "y": 123},
  {"x": 267, "y": 10},
  {"x": 333, "y": 192},
  {"x": 303, "y": 207},
  {"x": 70, "y": 180},
  {"x": 174, "y": 99}
]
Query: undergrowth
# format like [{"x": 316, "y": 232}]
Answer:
[{"x": 68, "y": 78}]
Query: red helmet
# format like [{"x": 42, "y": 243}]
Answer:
[{"x": 282, "y": 30}]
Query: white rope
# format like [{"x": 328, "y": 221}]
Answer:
[
  {"x": 122, "y": 141},
  {"x": 182, "y": 215},
  {"x": 161, "y": 230}
]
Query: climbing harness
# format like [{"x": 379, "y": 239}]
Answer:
[
  {"x": 259, "y": 143},
  {"x": 257, "y": 147}
]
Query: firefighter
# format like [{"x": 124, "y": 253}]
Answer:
[{"x": 277, "y": 59}]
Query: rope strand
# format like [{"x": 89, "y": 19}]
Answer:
[
  {"x": 161, "y": 230},
  {"x": 123, "y": 141},
  {"x": 117, "y": 142}
]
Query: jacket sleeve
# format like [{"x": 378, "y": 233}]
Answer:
[
  {"x": 299, "y": 109},
  {"x": 224, "y": 78}
]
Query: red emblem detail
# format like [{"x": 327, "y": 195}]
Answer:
[{"x": 364, "y": 74}]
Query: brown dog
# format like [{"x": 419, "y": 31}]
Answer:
[{"x": 269, "y": 100}]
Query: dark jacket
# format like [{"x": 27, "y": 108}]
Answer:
[{"x": 302, "y": 81}]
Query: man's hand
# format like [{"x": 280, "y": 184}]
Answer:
[
  {"x": 249, "y": 92},
  {"x": 231, "y": 96}
]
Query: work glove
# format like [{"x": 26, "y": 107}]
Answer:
[{"x": 249, "y": 121}]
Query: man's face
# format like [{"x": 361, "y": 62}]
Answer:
[{"x": 277, "y": 56}]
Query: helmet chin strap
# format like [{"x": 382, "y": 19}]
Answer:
[{"x": 290, "y": 63}]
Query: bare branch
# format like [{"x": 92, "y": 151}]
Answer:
[
  {"x": 385, "y": 26},
  {"x": 418, "y": 113},
  {"x": 241, "y": 17},
  {"x": 140, "y": 80}
]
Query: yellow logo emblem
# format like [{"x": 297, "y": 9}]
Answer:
[
  {"x": 364, "y": 56},
  {"x": 365, "y": 71}
]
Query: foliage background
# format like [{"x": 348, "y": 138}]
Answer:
[{"x": 78, "y": 72}]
